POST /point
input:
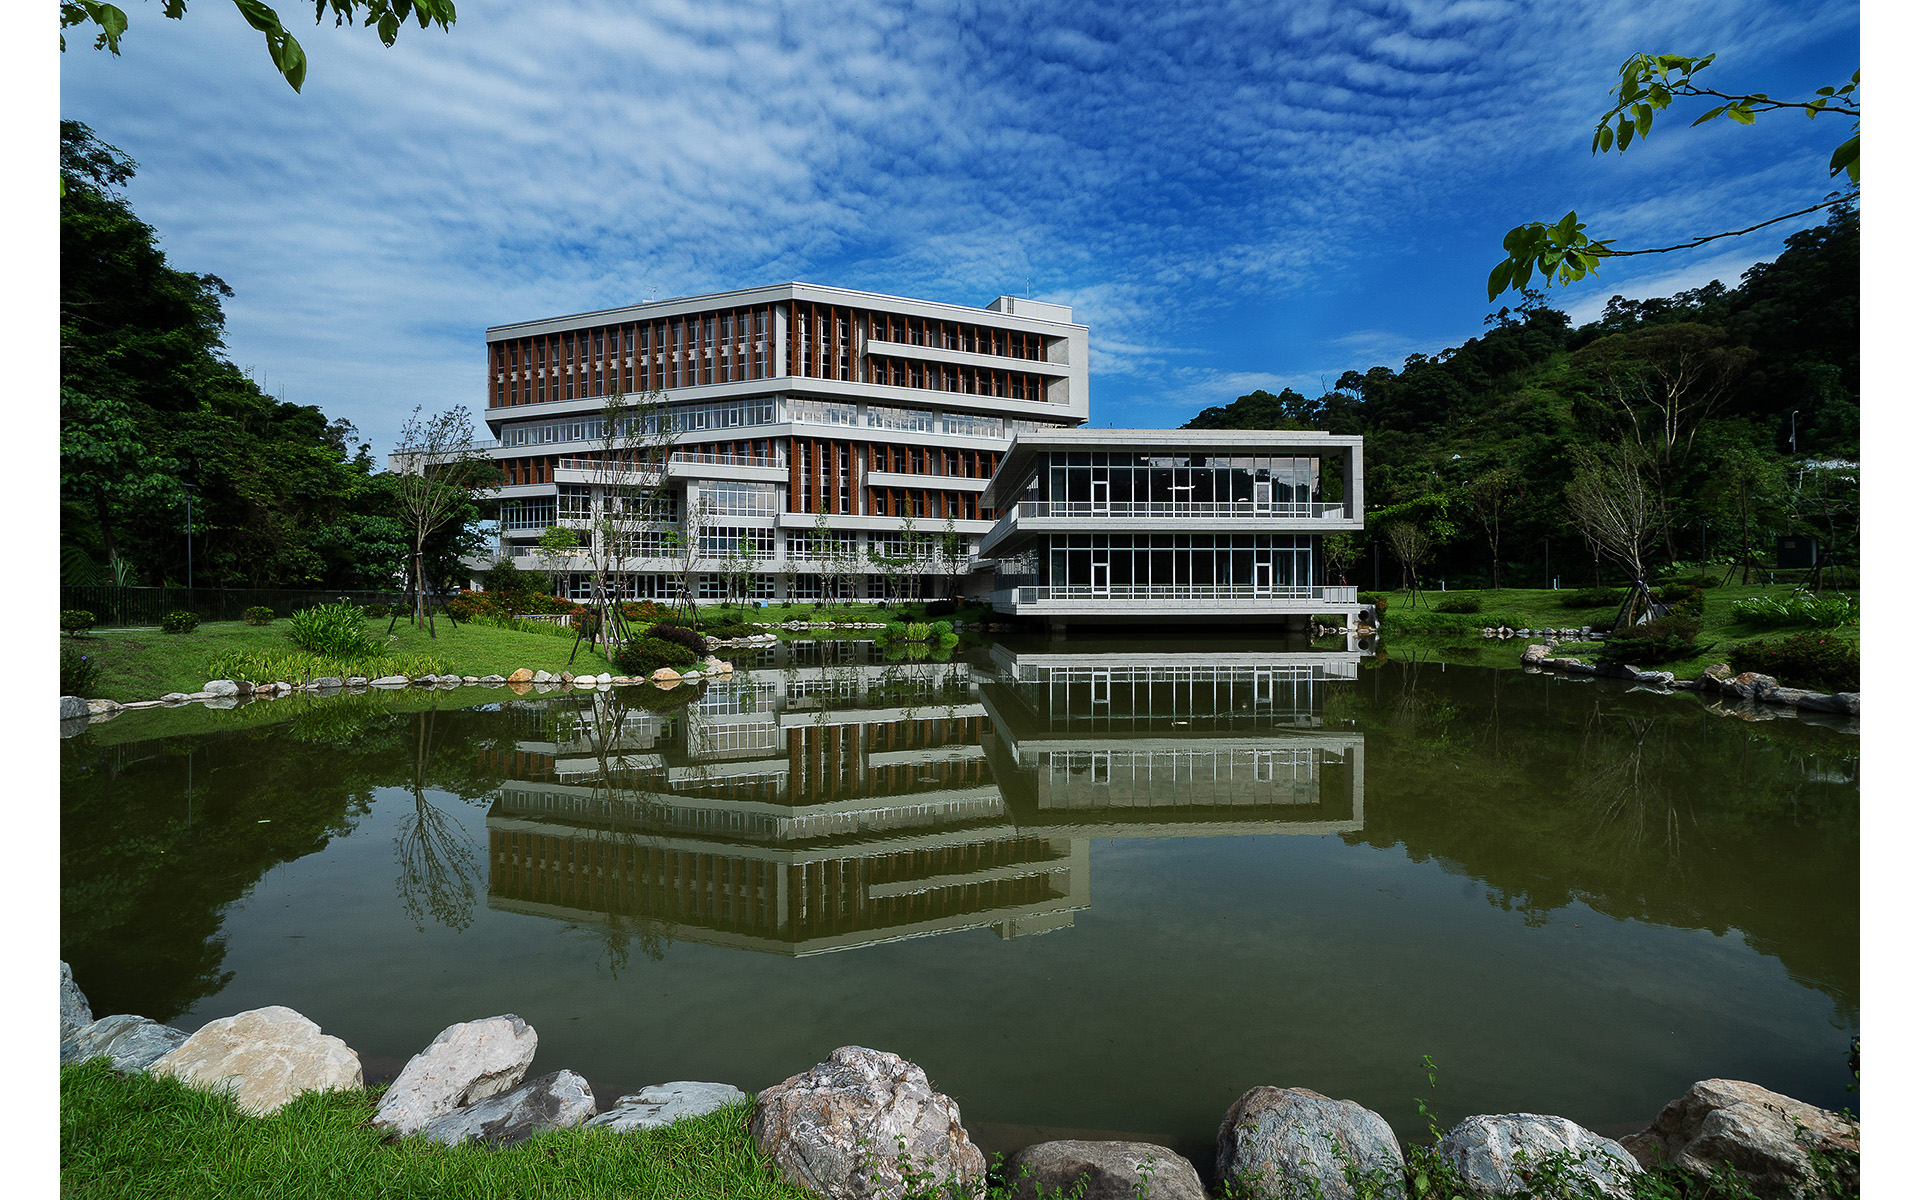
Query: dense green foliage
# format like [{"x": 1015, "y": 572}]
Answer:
[
  {"x": 152, "y": 413},
  {"x": 1734, "y": 395},
  {"x": 649, "y": 654},
  {"x": 79, "y": 671},
  {"x": 76, "y": 621},
  {"x": 180, "y": 620},
  {"x": 1808, "y": 660},
  {"x": 333, "y": 630},
  {"x": 1801, "y": 608},
  {"x": 679, "y": 635}
]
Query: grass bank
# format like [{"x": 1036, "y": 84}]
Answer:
[
  {"x": 138, "y": 1136},
  {"x": 145, "y": 664},
  {"x": 1455, "y": 637}
]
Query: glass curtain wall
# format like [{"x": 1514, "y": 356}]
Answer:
[
  {"x": 1200, "y": 563},
  {"x": 1088, "y": 483}
]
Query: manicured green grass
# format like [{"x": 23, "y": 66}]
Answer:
[
  {"x": 145, "y": 664},
  {"x": 1409, "y": 630},
  {"x": 137, "y": 1136}
]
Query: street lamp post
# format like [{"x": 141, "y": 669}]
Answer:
[
  {"x": 1793, "y": 432},
  {"x": 189, "y": 489}
]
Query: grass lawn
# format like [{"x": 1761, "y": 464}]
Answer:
[
  {"x": 137, "y": 1136},
  {"x": 1456, "y": 637},
  {"x": 145, "y": 664}
]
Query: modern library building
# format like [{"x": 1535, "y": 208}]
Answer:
[{"x": 832, "y": 444}]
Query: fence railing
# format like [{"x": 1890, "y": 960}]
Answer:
[
  {"x": 1284, "y": 511},
  {"x": 1180, "y": 593},
  {"x": 146, "y": 605}
]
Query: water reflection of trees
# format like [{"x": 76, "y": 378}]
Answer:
[
  {"x": 439, "y": 873},
  {"x": 160, "y": 835},
  {"x": 1642, "y": 806}
]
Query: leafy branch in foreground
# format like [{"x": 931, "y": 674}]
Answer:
[
  {"x": 1649, "y": 83},
  {"x": 288, "y": 58}
]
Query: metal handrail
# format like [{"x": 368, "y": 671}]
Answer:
[{"x": 1176, "y": 508}]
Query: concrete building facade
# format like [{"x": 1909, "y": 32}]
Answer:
[{"x": 838, "y": 439}]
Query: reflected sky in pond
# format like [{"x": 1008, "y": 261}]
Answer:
[{"x": 1088, "y": 888}]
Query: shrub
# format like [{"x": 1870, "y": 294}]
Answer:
[
  {"x": 334, "y": 630},
  {"x": 1702, "y": 580},
  {"x": 75, "y": 621},
  {"x": 275, "y": 666},
  {"x": 1593, "y": 598},
  {"x": 180, "y": 620},
  {"x": 942, "y": 608},
  {"x": 259, "y": 614},
  {"x": 942, "y": 629},
  {"x": 1801, "y": 608},
  {"x": 649, "y": 654},
  {"x": 1683, "y": 598},
  {"x": 678, "y": 635},
  {"x": 919, "y": 632},
  {"x": 1663, "y": 639},
  {"x": 732, "y": 630},
  {"x": 893, "y": 631},
  {"x": 1457, "y": 604},
  {"x": 1810, "y": 660},
  {"x": 79, "y": 671}
]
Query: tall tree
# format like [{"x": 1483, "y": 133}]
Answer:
[{"x": 438, "y": 471}]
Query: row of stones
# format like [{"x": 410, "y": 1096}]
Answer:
[
  {"x": 866, "y": 1124},
  {"x": 1719, "y": 678},
  {"x": 226, "y": 693}
]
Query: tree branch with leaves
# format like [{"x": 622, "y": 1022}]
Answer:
[{"x": 1564, "y": 251}]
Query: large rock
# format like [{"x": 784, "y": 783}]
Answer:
[
  {"x": 560, "y": 1100},
  {"x": 665, "y": 1103},
  {"x": 71, "y": 707},
  {"x": 75, "y": 1012},
  {"x": 1112, "y": 1171},
  {"x": 465, "y": 1063},
  {"x": 1281, "y": 1141},
  {"x": 263, "y": 1057},
  {"x": 523, "y": 675},
  {"x": 843, "y": 1127},
  {"x": 221, "y": 687},
  {"x": 1761, "y": 1136},
  {"x": 1495, "y": 1155},
  {"x": 130, "y": 1043}
]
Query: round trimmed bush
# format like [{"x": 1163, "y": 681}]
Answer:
[
  {"x": 649, "y": 654},
  {"x": 678, "y": 635},
  {"x": 76, "y": 621},
  {"x": 259, "y": 614},
  {"x": 180, "y": 620}
]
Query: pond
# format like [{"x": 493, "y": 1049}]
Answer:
[{"x": 1094, "y": 888}]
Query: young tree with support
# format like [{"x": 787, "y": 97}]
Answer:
[
  {"x": 629, "y": 508},
  {"x": 437, "y": 471},
  {"x": 1617, "y": 507}
]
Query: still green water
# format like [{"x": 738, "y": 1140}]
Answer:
[{"x": 1094, "y": 888}]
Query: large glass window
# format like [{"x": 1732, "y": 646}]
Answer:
[
  {"x": 1249, "y": 564},
  {"x": 729, "y": 498},
  {"x": 822, "y": 412}
]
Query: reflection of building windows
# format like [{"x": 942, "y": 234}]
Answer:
[{"x": 1102, "y": 768}]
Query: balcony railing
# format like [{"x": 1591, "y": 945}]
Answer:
[
  {"x": 1180, "y": 593},
  {"x": 1211, "y": 510},
  {"x": 679, "y": 456}
]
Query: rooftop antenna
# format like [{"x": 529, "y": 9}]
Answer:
[
  {"x": 653, "y": 290},
  {"x": 1029, "y": 287}
]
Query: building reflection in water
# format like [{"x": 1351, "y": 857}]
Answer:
[{"x": 835, "y": 800}]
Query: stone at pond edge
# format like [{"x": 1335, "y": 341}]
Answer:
[
  {"x": 265, "y": 1056},
  {"x": 392, "y": 681},
  {"x": 665, "y": 675},
  {"x": 559, "y": 1100},
  {"x": 328, "y": 682},
  {"x": 465, "y": 1063},
  {"x": 1493, "y": 1153},
  {"x": 71, "y": 707},
  {"x": 75, "y": 1013},
  {"x": 840, "y": 1128},
  {"x": 130, "y": 1043},
  {"x": 1112, "y": 1170},
  {"x": 665, "y": 1103},
  {"x": 1276, "y": 1140},
  {"x": 221, "y": 687},
  {"x": 523, "y": 675},
  {"x": 1752, "y": 1131}
]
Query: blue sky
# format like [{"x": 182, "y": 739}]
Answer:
[{"x": 1230, "y": 195}]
